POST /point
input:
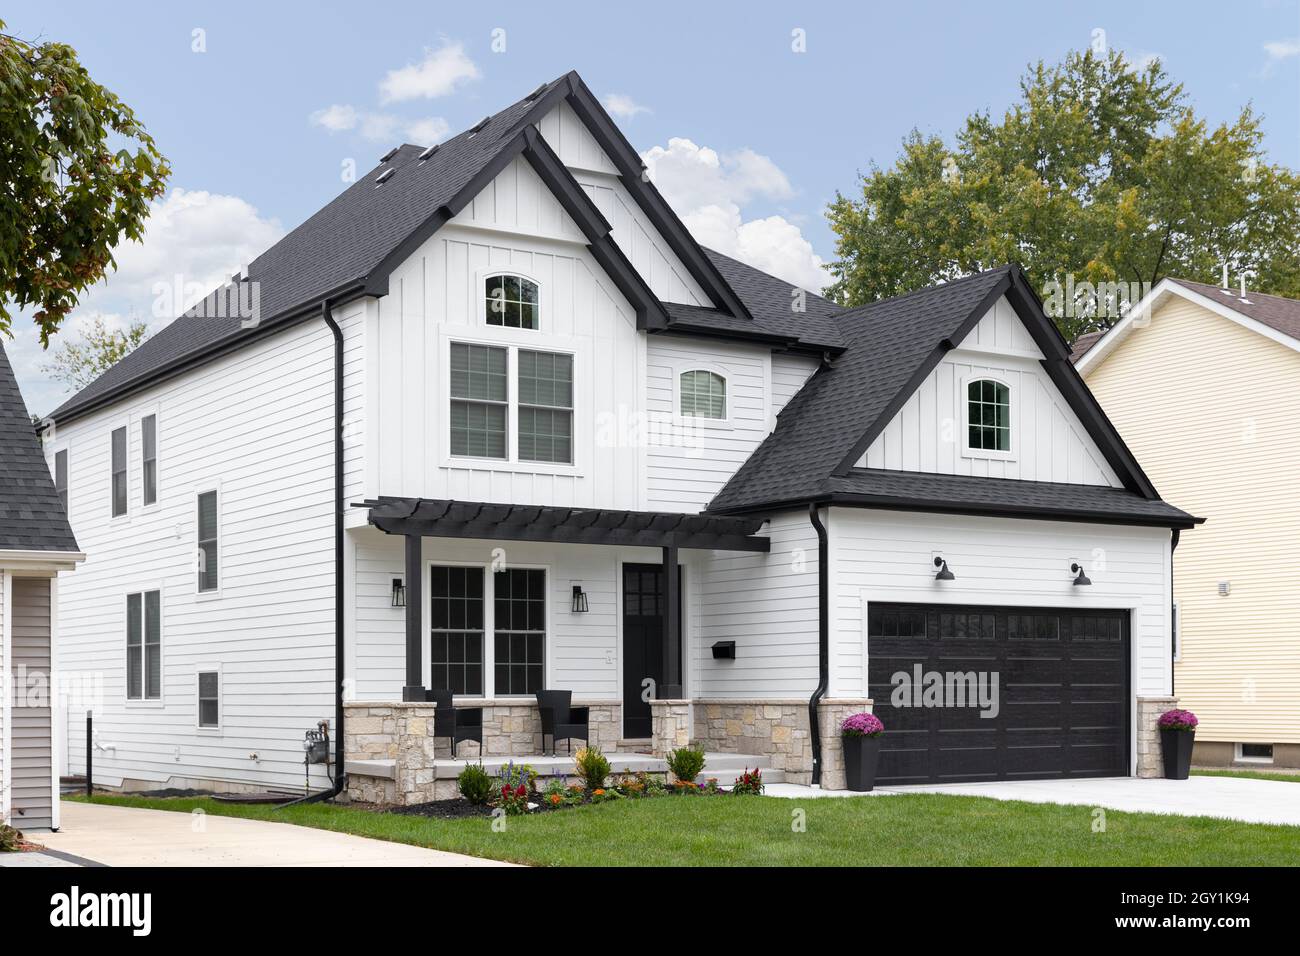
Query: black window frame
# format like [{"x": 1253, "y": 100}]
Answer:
[
  {"x": 457, "y": 628},
  {"x": 119, "y": 491},
  {"x": 993, "y": 397},
  {"x": 145, "y": 684},
  {"x": 522, "y": 311},
  {"x": 209, "y": 564},
  {"x": 519, "y": 601}
]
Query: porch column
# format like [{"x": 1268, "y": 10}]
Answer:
[
  {"x": 414, "y": 689},
  {"x": 670, "y": 689}
]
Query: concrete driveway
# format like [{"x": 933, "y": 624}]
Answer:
[
  {"x": 1232, "y": 798},
  {"x": 125, "y": 836}
]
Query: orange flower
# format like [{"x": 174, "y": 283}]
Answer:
[
  {"x": 598, "y": 793},
  {"x": 555, "y": 798}
]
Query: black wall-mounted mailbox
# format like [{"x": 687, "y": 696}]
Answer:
[{"x": 724, "y": 651}]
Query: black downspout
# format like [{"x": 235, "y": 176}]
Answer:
[
  {"x": 823, "y": 642},
  {"x": 340, "y": 774},
  {"x": 1173, "y": 612}
]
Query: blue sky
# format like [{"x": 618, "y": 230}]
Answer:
[{"x": 256, "y": 147}]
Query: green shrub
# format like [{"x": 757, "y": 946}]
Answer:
[
  {"x": 474, "y": 783},
  {"x": 686, "y": 763},
  {"x": 592, "y": 766},
  {"x": 10, "y": 838}
]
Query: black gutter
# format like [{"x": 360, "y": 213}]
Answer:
[
  {"x": 1173, "y": 613},
  {"x": 823, "y": 641},
  {"x": 340, "y": 754}
]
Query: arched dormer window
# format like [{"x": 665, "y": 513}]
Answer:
[
  {"x": 988, "y": 415},
  {"x": 703, "y": 394},
  {"x": 511, "y": 301}
]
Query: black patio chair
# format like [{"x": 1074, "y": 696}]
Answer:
[
  {"x": 455, "y": 723},
  {"x": 561, "y": 721}
]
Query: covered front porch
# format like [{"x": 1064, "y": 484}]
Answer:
[{"x": 616, "y": 608}]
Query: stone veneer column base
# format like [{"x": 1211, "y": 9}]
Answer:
[
  {"x": 775, "y": 728},
  {"x": 1149, "y": 709},
  {"x": 670, "y": 723},
  {"x": 831, "y": 712}
]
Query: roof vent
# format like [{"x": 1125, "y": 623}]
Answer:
[
  {"x": 427, "y": 153},
  {"x": 384, "y": 176},
  {"x": 536, "y": 93},
  {"x": 479, "y": 125},
  {"x": 388, "y": 155}
]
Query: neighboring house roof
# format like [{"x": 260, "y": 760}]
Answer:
[
  {"x": 1272, "y": 316},
  {"x": 893, "y": 345},
  {"x": 31, "y": 514},
  {"x": 351, "y": 245}
]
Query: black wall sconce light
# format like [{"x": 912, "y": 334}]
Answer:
[
  {"x": 944, "y": 574},
  {"x": 1082, "y": 580},
  {"x": 399, "y": 593},
  {"x": 579, "y": 599}
]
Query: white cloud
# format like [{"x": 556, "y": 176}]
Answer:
[
  {"x": 438, "y": 74},
  {"x": 426, "y": 132},
  {"x": 335, "y": 118},
  {"x": 708, "y": 191},
  {"x": 622, "y": 106},
  {"x": 1282, "y": 49},
  {"x": 193, "y": 239}
]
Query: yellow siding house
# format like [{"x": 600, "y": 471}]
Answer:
[{"x": 1203, "y": 384}]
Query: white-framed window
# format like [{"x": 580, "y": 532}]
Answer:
[
  {"x": 511, "y": 301},
  {"x": 149, "y": 458},
  {"x": 988, "y": 416},
  {"x": 209, "y": 698},
  {"x": 467, "y": 604},
  {"x": 510, "y": 404},
  {"x": 1254, "y": 753},
  {"x": 144, "y": 645},
  {"x": 702, "y": 393},
  {"x": 208, "y": 550},
  {"x": 61, "y": 476},
  {"x": 117, "y": 466}
]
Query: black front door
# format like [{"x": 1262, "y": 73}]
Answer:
[{"x": 644, "y": 602}]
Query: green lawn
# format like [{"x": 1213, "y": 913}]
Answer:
[
  {"x": 1250, "y": 774},
  {"x": 913, "y": 829}
]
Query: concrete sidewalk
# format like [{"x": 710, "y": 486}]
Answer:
[
  {"x": 1229, "y": 798},
  {"x": 125, "y": 836}
]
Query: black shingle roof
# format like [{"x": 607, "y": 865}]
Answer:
[
  {"x": 922, "y": 491},
  {"x": 887, "y": 342},
  {"x": 31, "y": 515}
]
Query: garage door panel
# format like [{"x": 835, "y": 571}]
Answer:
[{"x": 1063, "y": 692}]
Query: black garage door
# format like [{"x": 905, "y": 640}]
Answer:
[{"x": 1061, "y": 707}]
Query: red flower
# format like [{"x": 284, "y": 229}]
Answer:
[{"x": 520, "y": 791}]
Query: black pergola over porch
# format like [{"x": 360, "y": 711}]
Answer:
[{"x": 417, "y": 518}]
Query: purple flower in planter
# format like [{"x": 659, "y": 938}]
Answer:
[
  {"x": 1178, "y": 720},
  {"x": 862, "y": 725}
]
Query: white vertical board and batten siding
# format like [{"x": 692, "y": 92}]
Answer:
[
  {"x": 258, "y": 424},
  {"x": 887, "y": 556},
  {"x": 1048, "y": 442},
  {"x": 31, "y": 753}
]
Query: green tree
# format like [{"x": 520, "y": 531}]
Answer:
[
  {"x": 66, "y": 199},
  {"x": 79, "y": 362},
  {"x": 1100, "y": 172}
]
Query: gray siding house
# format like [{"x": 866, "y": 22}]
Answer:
[{"x": 36, "y": 543}]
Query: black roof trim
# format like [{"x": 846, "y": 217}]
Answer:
[{"x": 893, "y": 503}]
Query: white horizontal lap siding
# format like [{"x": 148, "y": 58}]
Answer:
[
  {"x": 767, "y": 604},
  {"x": 30, "y": 746},
  {"x": 1048, "y": 442},
  {"x": 257, "y": 426},
  {"x": 582, "y": 649},
  {"x": 689, "y": 460},
  {"x": 643, "y": 245},
  {"x": 888, "y": 556},
  {"x": 436, "y": 298}
]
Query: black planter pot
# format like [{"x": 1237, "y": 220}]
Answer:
[
  {"x": 1176, "y": 752},
  {"x": 861, "y": 757}
]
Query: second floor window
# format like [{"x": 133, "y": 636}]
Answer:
[
  {"x": 118, "y": 486},
  {"x": 545, "y": 407},
  {"x": 149, "y": 453},
  {"x": 703, "y": 394},
  {"x": 485, "y": 409},
  {"x": 61, "y": 476},
  {"x": 207, "y": 556},
  {"x": 988, "y": 416},
  {"x": 479, "y": 397},
  {"x": 511, "y": 301}
]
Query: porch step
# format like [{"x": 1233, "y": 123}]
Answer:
[{"x": 634, "y": 745}]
